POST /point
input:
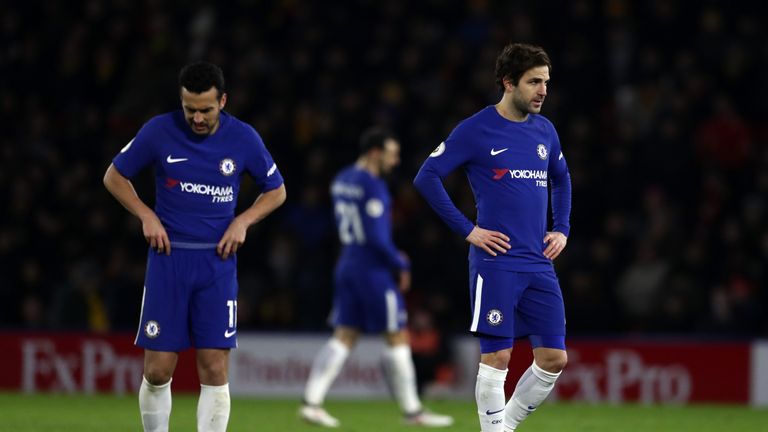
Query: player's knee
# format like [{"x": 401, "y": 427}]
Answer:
[
  {"x": 502, "y": 358},
  {"x": 560, "y": 362},
  {"x": 554, "y": 363},
  {"x": 214, "y": 373},
  {"x": 157, "y": 376},
  {"x": 346, "y": 335},
  {"x": 498, "y": 359}
]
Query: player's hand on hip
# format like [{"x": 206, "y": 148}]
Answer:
[
  {"x": 405, "y": 281},
  {"x": 155, "y": 234},
  {"x": 233, "y": 238},
  {"x": 489, "y": 241},
  {"x": 556, "y": 242}
]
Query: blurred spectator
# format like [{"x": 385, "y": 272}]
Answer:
[{"x": 431, "y": 352}]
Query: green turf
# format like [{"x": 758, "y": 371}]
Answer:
[{"x": 24, "y": 413}]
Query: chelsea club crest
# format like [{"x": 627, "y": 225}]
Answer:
[
  {"x": 494, "y": 317},
  {"x": 152, "y": 329},
  {"x": 227, "y": 167},
  {"x": 541, "y": 150}
]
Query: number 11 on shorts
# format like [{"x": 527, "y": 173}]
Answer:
[{"x": 232, "y": 306}]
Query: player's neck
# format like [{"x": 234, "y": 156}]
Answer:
[
  {"x": 369, "y": 165},
  {"x": 506, "y": 108}
]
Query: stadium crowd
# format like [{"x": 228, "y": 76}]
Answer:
[{"x": 661, "y": 108}]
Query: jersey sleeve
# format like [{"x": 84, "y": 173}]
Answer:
[
  {"x": 560, "y": 180},
  {"x": 139, "y": 152},
  {"x": 260, "y": 165},
  {"x": 448, "y": 156},
  {"x": 378, "y": 226}
]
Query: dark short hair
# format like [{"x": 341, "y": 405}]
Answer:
[
  {"x": 199, "y": 77},
  {"x": 374, "y": 137},
  {"x": 515, "y": 59}
]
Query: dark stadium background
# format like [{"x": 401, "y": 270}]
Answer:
[{"x": 661, "y": 107}]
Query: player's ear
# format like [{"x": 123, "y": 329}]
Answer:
[
  {"x": 222, "y": 101},
  {"x": 508, "y": 86}
]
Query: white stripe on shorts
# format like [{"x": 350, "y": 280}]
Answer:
[
  {"x": 141, "y": 315},
  {"x": 391, "y": 300},
  {"x": 478, "y": 301}
]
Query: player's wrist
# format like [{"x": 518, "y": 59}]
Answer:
[
  {"x": 245, "y": 220},
  {"x": 469, "y": 233},
  {"x": 145, "y": 214}
]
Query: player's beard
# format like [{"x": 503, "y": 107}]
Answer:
[{"x": 523, "y": 106}]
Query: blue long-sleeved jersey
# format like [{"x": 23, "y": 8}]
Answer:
[
  {"x": 363, "y": 208},
  {"x": 510, "y": 166}
]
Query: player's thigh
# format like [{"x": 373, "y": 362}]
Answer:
[
  {"x": 493, "y": 296},
  {"x": 213, "y": 305},
  {"x": 163, "y": 319},
  {"x": 541, "y": 310}
]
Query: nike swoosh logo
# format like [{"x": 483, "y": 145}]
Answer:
[
  {"x": 531, "y": 407},
  {"x": 228, "y": 334},
  {"x": 494, "y": 152},
  {"x": 169, "y": 159},
  {"x": 489, "y": 412}
]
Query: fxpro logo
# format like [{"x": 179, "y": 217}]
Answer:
[
  {"x": 218, "y": 194},
  {"x": 539, "y": 176}
]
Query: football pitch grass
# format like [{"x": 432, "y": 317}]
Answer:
[{"x": 33, "y": 413}]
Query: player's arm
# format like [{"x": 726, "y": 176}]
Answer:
[
  {"x": 122, "y": 189},
  {"x": 380, "y": 238},
  {"x": 378, "y": 234},
  {"x": 234, "y": 236},
  {"x": 429, "y": 182},
  {"x": 263, "y": 169},
  {"x": 560, "y": 181}
]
